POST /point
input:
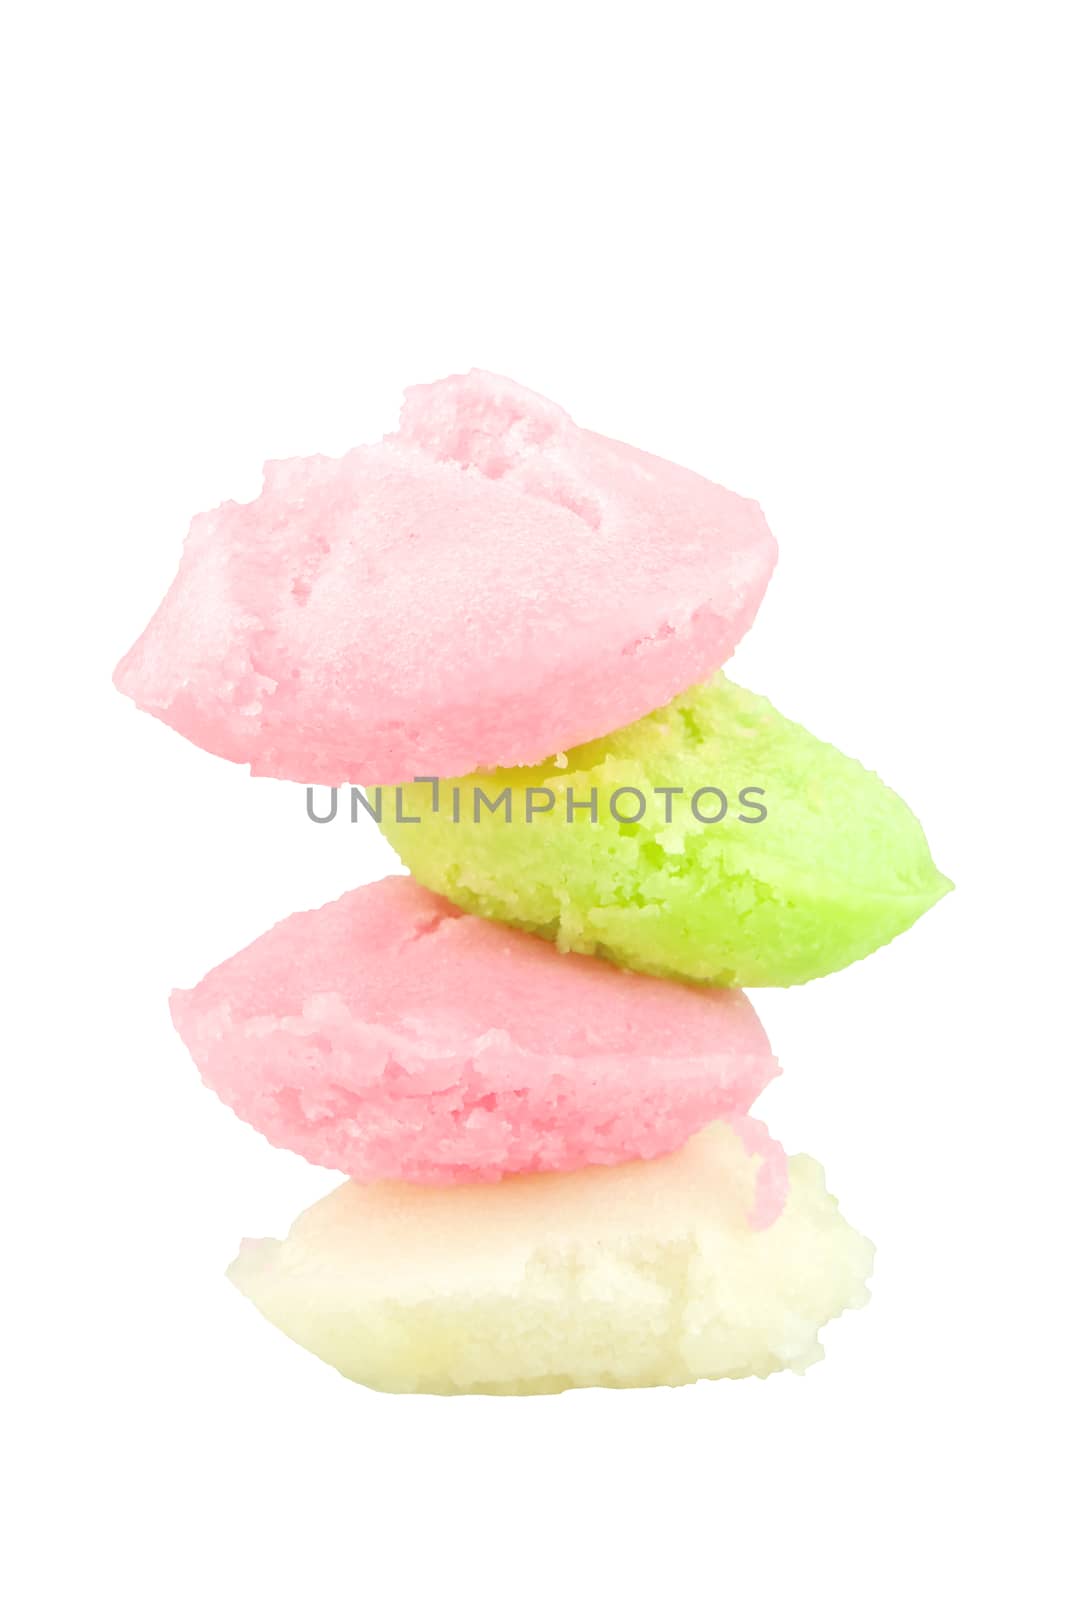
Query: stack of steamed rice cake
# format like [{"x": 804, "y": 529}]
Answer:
[{"x": 554, "y": 1180}]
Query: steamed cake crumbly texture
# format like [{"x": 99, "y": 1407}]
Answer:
[
  {"x": 390, "y": 1036},
  {"x": 838, "y": 866},
  {"x": 484, "y": 587},
  {"x": 626, "y": 1276}
]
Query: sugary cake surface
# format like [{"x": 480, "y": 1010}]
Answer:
[
  {"x": 648, "y": 1273},
  {"x": 390, "y": 1036},
  {"x": 487, "y": 586},
  {"x": 836, "y": 865}
]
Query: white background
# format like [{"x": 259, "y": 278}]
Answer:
[{"x": 809, "y": 250}]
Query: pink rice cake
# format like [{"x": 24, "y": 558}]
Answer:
[
  {"x": 390, "y": 1035},
  {"x": 486, "y": 587}
]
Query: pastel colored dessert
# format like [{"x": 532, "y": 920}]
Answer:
[
  {"x": 484, "y": 587},
  {"x": 390, "y": 1036},
  {"x": 643, "y": 1274},
  {"x": 782, "y": 860}
]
